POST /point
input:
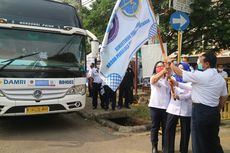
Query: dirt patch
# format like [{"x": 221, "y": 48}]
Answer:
[
  {"x": 125, "y": 124},
  {"x": 128, "y": 121}
]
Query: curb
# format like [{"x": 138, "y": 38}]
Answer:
[
  {"x": 103, "y": 119},
  {"x": 124, "y": 129}
]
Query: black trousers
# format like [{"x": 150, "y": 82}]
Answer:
[
  {"x": 125, "y": 91},
  {"x": 158, "y": 117},
  {"x": 96, "y": 90},
  {"x": 90, "y": 89},
  {"x": 109, "y": 95},
  {"x": 170, "y": 131},
  {"x": 205, "y": 129}
]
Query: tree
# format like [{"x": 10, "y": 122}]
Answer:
[
  {"x": 209, "y": 27},
  {"x": 97, "y": 18},
  {"x": 75, "y": 3}
]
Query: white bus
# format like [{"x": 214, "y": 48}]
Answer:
[{"x": 42, "y": 58}]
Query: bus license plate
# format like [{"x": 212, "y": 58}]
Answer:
[{"x": 36, "y": 110}]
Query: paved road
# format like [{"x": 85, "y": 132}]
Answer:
[
  {"x": 56, "y": 133},
  {"x": 70, "y": 133}
]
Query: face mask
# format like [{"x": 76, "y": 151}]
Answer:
[
  {"x": 159, "y": 69},
  {"x": 220, "y": 70},
  {"x": 200, "y": 67}
]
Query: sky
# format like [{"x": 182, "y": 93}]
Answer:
[{"x": 87, "y": 2}]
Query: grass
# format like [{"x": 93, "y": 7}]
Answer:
[{"x": 142, "y": 112}]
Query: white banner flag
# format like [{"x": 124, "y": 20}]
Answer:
[{"x": 131, "y": 24}]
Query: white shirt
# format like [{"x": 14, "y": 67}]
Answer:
[
  {"x": 88, "y": 73},
  {"x": 93, "y": 73},
  {"x": 223, "y": 74},
  {"x": 207, "y": 86},
  {"x": 182, "y": 107},
  {"x": 160, "y": 94}
]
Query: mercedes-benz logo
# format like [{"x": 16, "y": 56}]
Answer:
[{"x": 37, "y": 94}]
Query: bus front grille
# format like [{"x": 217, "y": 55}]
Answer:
[{"x": 28, "y": 94}]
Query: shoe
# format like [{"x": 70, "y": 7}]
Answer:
[
  {"x": 113, "y": 109},
  {"x": 127, "y": 107},
  {"x": 94, "y": 107},
  {"x": 119, "y": 107},
  {"x": 154, "y": 149}
]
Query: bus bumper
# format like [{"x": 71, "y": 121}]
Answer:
[{"x": 69, "y": 103}]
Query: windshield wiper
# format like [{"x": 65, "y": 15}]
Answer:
[{"x": 16, "y": 58}]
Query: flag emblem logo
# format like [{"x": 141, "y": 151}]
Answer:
[
  {"x": 129, "y": 7},
  {"x": 114, "y": 28}
]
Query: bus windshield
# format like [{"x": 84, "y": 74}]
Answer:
[{"x": 48, "y": 51}]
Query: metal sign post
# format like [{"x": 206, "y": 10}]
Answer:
[
  {"x": 179, "y": 22},
  {"x": 179, "y": 45}
]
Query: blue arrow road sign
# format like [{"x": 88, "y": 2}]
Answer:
[{"x": 179, "y": 21}]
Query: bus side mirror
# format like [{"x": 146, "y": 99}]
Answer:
[
  {"x": 94, "y": 44},
  {"x": 94, "y": 48}
]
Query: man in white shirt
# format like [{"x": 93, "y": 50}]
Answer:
[
  {"x": 209, "y": 93},
  {"x": 95, "y": 83},
  {"x": 221, "y": 71}
]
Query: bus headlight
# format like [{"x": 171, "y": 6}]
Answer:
[{"x": 78, "y": 89}]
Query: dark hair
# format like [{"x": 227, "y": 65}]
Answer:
[
  {"x": 155, "y": 66},
  {"x": 219, "y": 65},
  {"x": 210, "y": 57}
]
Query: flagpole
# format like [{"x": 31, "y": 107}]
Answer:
[
  {"x": 136, "y": 70},
  {"x": 161, "y": 44},
  {"x": 158, "y": 32}
]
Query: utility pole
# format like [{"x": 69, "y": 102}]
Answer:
[
  {"x": 80, "y": 3},
  {"x": 80, "y": 8}
]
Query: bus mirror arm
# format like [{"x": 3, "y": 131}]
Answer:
[{"x": 91, "y": 35}]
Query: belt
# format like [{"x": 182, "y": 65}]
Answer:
[{"x": 197, "y": 104}]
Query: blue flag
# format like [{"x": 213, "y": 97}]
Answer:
[{"x": 131, "y": 25}]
